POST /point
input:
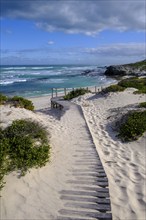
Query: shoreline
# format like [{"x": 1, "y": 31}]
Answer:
[
  {"x": 36, "y": 99},
  {"x": 124, "y": 163}
]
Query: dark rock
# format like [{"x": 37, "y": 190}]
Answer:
[
  {"x": 115, "y": 70},
  {"x": 86, "y": 72},
  {"x": 134, "y": 69},
  {"x": 93, "y": 72}
]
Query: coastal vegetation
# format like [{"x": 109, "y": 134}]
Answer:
[
  {"x": 134, "y": 124},
  {"x": 139, "y": 64},
  {"x": 113, "y": 88},
  {"x": 24, "y": 144},
  {"x": 22, "y": 103},
  {"x": 17, "y": 101},
  {"x": 142, "y": 105},
  {"x": 133, "y": 127},
  {"x": 3, "y": 99},
  {"x": 75, "y": 93},
  {"x": 133, "y": 82}
]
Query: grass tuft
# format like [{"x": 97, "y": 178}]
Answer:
[
  {"x": 113, "y": 88},
  {"x": 76, "y": 93},
  {"x": 3, "y": 99},
  {"x": 22, "y": 102},
  {"x": 134, "y": 82},
  {"x": 133, "y": 127},
  {"x": 142, "y": 105}
]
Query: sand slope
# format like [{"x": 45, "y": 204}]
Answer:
[
  {"x": 38, "y": 194},
  {"x": 125, "y": 164},
  {"x": 66, "y": 187}
]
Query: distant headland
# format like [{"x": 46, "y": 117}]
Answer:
[{"x": 131, "y": 69}]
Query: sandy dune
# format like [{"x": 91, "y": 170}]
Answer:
[
  {"x": 44, "y": 193},
  {"x": 124, "y": 163}
]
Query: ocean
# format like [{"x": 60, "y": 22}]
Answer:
[{"x": 31, "y": 81}]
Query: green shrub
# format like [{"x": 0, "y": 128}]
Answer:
[
  {"x": 113, "y": 88},
  {"x": 134, "y": 82},
  {"x": 140, "y": 91},
  {"x": 3, "y": 99},
  {"x": 17, "y": 101},
  {"x": 76, "y": 93},
  {"x": 142, "y": 105},
  {"x": 28, "y": 145},
  {"x": 4, "y": 159},
  {"x": 22, "y": 102},
  {"x": 134, "y": 126},
  {"x": 24, "y": 145},
  {"x": 26, "y": 128}
]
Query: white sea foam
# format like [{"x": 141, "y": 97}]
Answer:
[
  {"x": 42, "y": 68},
  {"x": 9, "y": 81},
  {"x": 14, "y": 68},
  {"x": 55, "y": 80}
]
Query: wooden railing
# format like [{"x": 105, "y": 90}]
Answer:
[{"x": 64, "y": 91}]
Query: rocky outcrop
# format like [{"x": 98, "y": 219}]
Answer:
[
  {"x": 134, "y": 69},
  {"x": 93, "y": 72},
  {"x": 87, "y": 72}
]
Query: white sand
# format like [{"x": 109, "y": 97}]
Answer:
[
  {"x": 38, "y": 194},
  {"x": 125, "y": 164}
]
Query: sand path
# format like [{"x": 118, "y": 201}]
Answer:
[
  {"x": 73, "y": 186},
  {"x": 85, "y": 194}
]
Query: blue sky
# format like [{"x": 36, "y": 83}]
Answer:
[{"x": 72, "y": 31}]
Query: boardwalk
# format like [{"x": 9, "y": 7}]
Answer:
[{"x": 87, "y": 193}]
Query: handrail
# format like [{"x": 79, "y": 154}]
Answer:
[{"x": 63, "y": 91}]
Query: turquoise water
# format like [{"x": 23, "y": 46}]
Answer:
[{"x": 29, "y": 81}]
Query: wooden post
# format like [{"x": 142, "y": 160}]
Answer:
[
  {"x": 95, "y": 89},
  {"x": 64, "y": 91},
  {"x": 52, "y": 92},
  {"x": 56, "y": 92}
]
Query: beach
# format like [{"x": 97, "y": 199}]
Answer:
[{"x": 88, "y": 121}]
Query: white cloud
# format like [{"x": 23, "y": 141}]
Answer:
[
  {"x": 117, "y": 53},
  {"x": 102, "y": 55},
  {"x": 50, "y": 42},
  {"x": 120, "y": 49},
  {"x": 77, "y": 16}
]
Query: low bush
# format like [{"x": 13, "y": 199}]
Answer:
[
  {"x": 113, "y": 88},
  {"x": 24, "y": 145},
  {"x": 3, "y": 99},
  {"x": 140, "y": 91},
  {"x": 134, "y": 82},
  {"x": 17, "y": 101},
  {"x": 22, "y": 103},
  {"x": 26, "y": 128},
  {"x": 76, "y": 93},
  {"x": 4, "y": 159},
  {"x": 142, "y": 105},
  {"x": 134, "y": 127}
]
